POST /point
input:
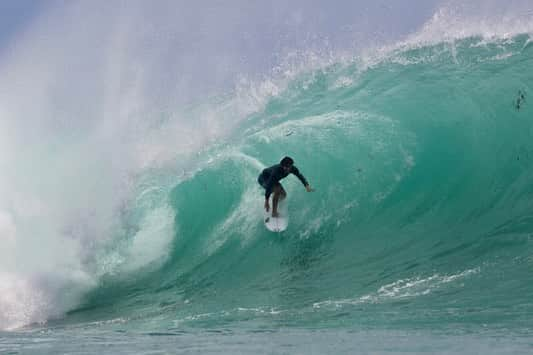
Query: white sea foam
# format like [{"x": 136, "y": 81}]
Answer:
[{"x": 401, "y": 289}]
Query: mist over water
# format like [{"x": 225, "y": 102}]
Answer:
[{"x": 131, "y": 135}]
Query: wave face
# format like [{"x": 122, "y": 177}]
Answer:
[
  {"x": 422, "y": 163},
  {"x": 142, "y": 213}
]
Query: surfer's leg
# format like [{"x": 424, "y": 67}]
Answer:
[
  {"x": 283, "y": 193},
  {"x": 277, "y": 191}
]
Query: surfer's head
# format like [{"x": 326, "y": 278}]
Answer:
[{"x": 286, "y": 162}]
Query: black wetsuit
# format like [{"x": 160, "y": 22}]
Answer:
[{"x": 270, "y": 177}]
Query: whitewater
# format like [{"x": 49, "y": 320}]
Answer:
[{"x": 131, "y": 222}]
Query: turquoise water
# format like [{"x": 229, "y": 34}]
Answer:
[{"x": 417, "y": 238}]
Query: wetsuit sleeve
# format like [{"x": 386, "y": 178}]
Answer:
[{"x": 296, "y": 172}]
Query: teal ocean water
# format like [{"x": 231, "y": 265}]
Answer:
[{"x": 418, "y": 237}]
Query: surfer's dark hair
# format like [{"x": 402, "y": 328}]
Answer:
[{"x": 287, "y": 161}]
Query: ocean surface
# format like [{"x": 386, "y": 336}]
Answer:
[{"x": 418, "y": 238}]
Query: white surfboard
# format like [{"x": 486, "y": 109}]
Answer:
[{"x": 280, "y": 223}]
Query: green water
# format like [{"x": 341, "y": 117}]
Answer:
[
  {"x": 423, "y": 171},
  {"x": 421, "y": 222}
]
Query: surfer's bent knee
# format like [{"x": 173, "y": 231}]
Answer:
[{"x": 278, "y": 189}]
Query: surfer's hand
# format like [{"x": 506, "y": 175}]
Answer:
[
  {"x": 309, "y": 189},
  {"x": 267, "y": 206}
]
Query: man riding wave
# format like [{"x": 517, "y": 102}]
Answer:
[{"x": 269, "y": 180}]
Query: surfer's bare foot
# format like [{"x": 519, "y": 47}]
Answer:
[{"x": 275, "y": 214}]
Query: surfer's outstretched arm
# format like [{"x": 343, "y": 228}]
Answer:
[{"x": 295, "y": 171}]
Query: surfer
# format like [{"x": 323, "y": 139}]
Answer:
[{"x": 269, "y": 180}]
